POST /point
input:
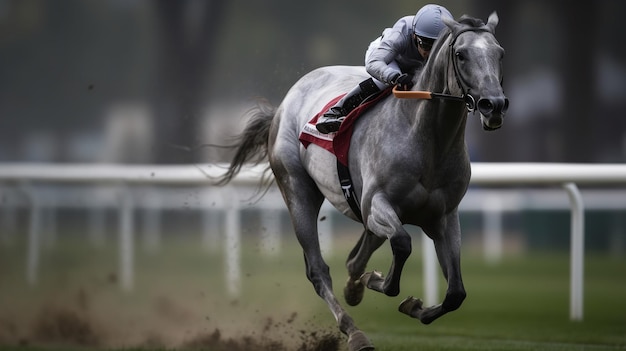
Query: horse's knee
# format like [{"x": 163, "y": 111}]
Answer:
[{"x": 453, "y": 300}]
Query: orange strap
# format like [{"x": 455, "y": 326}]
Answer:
[
  {"x": 425, "y": 95},
  {"x": 411, "y": 94}
]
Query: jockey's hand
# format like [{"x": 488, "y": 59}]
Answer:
[{"x": 404, "y": 81}]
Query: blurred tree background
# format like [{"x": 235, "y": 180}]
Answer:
[{"x": 143, "y": 81}]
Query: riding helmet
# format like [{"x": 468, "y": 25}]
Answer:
[{"x": 427, "y": 21}]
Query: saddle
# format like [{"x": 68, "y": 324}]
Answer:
[{"x": 339, "y": 143}]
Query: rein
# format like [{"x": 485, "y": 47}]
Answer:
[{"x": 466, "y": 96}]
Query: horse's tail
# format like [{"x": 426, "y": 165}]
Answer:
[{"x": 252, "y": 143}]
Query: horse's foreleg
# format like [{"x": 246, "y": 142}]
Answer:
[
  {"x": 384, "y": 222},
  {"x": 356, "y": 263},
  {"x": 448, "y": 246}
]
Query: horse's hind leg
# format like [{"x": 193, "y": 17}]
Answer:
[
  {"x": 356, "y": 264},
  {"x": 304, "y": 201}
]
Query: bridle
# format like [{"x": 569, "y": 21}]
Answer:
[{"x": 466, "y": 95}]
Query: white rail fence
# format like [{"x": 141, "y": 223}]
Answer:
[{"x": 567, "y": 176}]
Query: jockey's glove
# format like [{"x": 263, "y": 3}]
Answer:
[{"x": 404, "y": 81}]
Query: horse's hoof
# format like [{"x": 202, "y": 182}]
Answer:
[
  {"x": 357, "y": 341},
  {"x": 373, "y": 280},
  {"x": 411, "y": 307},
  {"x": 353, "y": 292}
]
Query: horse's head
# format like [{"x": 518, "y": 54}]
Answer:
[{"x": 476, "y": 57}]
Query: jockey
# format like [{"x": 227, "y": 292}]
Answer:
[{"x": 391, "y": 59}]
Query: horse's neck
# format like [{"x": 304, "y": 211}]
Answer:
[{"x": 439, "y": 123}]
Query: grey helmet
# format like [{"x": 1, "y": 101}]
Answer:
[{"x": 427, "y": 21}]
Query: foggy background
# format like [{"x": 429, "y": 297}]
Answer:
[
  {"x": 153, "y": 81},
  {"x": 132, "y": 81}
]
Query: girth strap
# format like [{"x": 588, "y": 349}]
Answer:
[{"x": 348, "y": 189}]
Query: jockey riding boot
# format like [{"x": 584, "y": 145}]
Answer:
[{"x": 331, "y": 120}]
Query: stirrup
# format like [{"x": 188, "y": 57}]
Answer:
[{"x": 329, "y": 123}]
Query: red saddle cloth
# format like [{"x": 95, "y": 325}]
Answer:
[{"x": 337, "y": 143}]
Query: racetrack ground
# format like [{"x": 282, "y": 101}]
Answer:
[{"x": 179, "y": 301}]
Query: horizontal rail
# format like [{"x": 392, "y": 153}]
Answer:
[
  {"x": 547, "y": 173},
  {"x": 482, "y": 173},
  {"x": 129, "y": 174}
]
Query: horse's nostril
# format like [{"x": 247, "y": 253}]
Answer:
[
  {"x": 485, "y": 106},
  {"x": 493, "y": 105}
]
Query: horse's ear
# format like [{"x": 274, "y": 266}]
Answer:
[
  {"x": 492, "y": 22},
  {"x": 450, "y": 22}
]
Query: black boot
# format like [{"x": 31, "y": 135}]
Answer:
[{"x": 330, "y": 121}]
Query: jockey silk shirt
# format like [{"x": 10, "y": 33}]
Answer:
[{"x": 395, "y": 44}]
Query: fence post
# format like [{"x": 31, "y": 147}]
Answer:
[
  {"x": 232, "y": 244},
  {"x": 126, "y": 240},
  {"x": 431, "y": 282},
  {"x": 577, "y": 255},
  {"x": 34, "y": 236},
  {"x": 492, "y": 224}
]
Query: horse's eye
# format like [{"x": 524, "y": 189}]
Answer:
[{"x": 460, "y": 56}]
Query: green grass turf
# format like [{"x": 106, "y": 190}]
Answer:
[{"x": 521, "y": 303}]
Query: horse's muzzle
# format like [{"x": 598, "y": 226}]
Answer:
[{"x": 492, "y": 111}]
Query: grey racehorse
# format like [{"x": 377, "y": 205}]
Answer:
[{"x": 408, "y": 160}]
